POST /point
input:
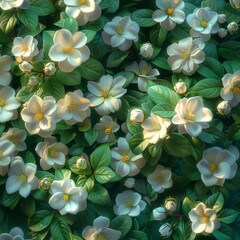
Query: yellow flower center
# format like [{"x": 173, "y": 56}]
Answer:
[
  {"x": 100, "y": 237},
  {"x": 105, "y": 93},
  {"x": 204, "y": 219},
  {"x": 2, "y": 102},
  {"x": 144, "y": 70},
  {"x": 1, "y": 154},
  {"x": 119, "y": 29},
  {"x": 53, "y": 152},
  {"x": 128, "y": 203},
  {"x": 170, "y": 11},
  {"x": 65, "y": 197},
  {"x": 190, "y": 116},
  {"x": 203, "y": 23},
  {"x": 24, "y": 47},
  {"x": 236, "y": 91},
  {"x": 13, "y": 139},
  {"x": 125, "y": 158},
  {"x": 160, "y": 179},
  {"x": 72, "y": 107},
  {"x": 184, "y": 54},
  {"x": 108, "y": 130},
  {"x": 68, "y": 49},
  {"x": 213, "y": 167},
  {"x": 83, "y": 2},
  {"x": 38, "y": 116},
  {"x": 22, "y": 178}
]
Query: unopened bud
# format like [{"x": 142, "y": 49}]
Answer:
[
  {"x": 180, "y": 87},
  {"x": 25, "y": 67},
  {"x": 159, "y": 213},
  {"x": 222, "y": 32},
  {"x": 137, "y": 116},
  {"x": 129, "y": 182},
  {"x": 32, "y": 80},
  {"x": 221, "y": 18},
  {"x": 146, "y": 50},
  {"x": 49, "y": 69},
  {"x": 171, "y": 205},
  {"x": 224, "y": 108},
  {"x": 45, "y": 183},
  {"x": 166, "y": 230},
  {"x": 232, "y": 27},
  {"x": 235, "y": 3},
  {"x": 81, "y": 163}
]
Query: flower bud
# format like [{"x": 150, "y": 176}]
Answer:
[
  {"x": 146, "y": 50},
  {"x": 159, "y": 213},
  {"x": 224, "y": 108},
  {"x": 32, "y": 80},
  {"x": 49, "y": 69},
  {"x": 137, "y": 116},
  {"x": 25, "y": 67},
  {"x": 235, "y": 3},
  {"x": 129, "y": 182},
  {"x": 45, "y": 183},
  {"x": 232, "y": 27},
  {"x": 222, "y": 32},
  {"x": 180, "y": 87},
  {"x": 171, "y": 205},
  {"x": 166, "y": 230},
  {"x": 221, "y": 18},
  {"x": 81, "y": 163},
  {"x": 61, "y": 3}
]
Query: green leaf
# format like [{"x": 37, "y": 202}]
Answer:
[
  {"x": 184, "y": 148},
  {"x": 228, "y": 216},
  {"x": 116, "y": 58},
  {"x": 161, "y": 62},
  {"x": 68, "y": 23},
  {"x": 136, "y": 235},
  {"x": 69, "y": 79},
  {"x": 104, "y": 174},
  {"x": 40, "y": 220},
  {"x": 91, "y": 136},
  {"x": 86, "y": 182},
  {"x": 214, "y": 5},
  {"x": 224, "y": 232},
  {"x": 122, "y": 224},
  {"x": 52, "y": 87},
  {"x": 60, "y": 230},
  {"x": 158, "y": 36},
  {"x": 137, "y": 144},
  {"x": 162, "y": 94},
  {"x": 90, "y": 34},
  {"x": 187, "y": 205},
  {"x": 62, "y": 174},
  {"x": 208, "y": 88},
  {"x": 216, "y": 202},
  {"x": 231, "y": 66},
  {"x": 230, "y": 50},
  {"x": 92, "y": 69},
  {"x": 111, "y": 5},
  {"x": 99, "y": 195},
  {"x": 41, "y": 7},
  {"x": 8, "y": 21},
  {"x": 10, "y": 200},
  {"x": 25, "y": 93},
  {"x": 232, "y": 15},
  {"x": 97, "y": 25},
  {"x": 211, "y": 135},
  {"x": 78, "y": 170},
  {"x": 67, "y": 136},
  {"x": 28, "y": 157},
  {"x": 143, "y": 17},
  {"x": 233, "y": 132},
  {"x": 100, "y": 157},
  {"x": 28, "y": 18},
  {"x": 47, "y": 42},
  {"x": 164, "y": 110},
  {"x": 27, "y": 206}
]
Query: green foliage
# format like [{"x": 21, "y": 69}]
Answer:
[
  {"x": 60, "y": 230},
  {"x": 137, "y": 144},
  {"x": 28, "y": 18},
  {"x": 104, "y": 174},
  {"x": 8, "y": 21},
  {"x": 215, "y": 201},
  {"x": 143, "y": 17},
  {"x": 116, "y": 58},
  {"x": 123, "y": 224},
  {"x": 99, "y": 195},
  {"x": 68, "y": 23}
]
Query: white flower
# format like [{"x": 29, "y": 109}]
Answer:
[
  {"x": 186, "y": 55},
  {"x": 145, "y": 72},
  {"x": 69, "y": 50},
  {"x": 40, "y": 115},
  {"x": 222, "y": 32},
  {"x": 180, "y": 87},
  {"x": 217, "y": 165},
  {"x": 146, "y": 50},
  {"x": 169, "y": 14},
  {"x": 21, "y": 177},
  {"x": 191, "y": 116},
  {"x": 204, "y": 220},
  {"x": 16, "y": 233},
  {"x": 49, "y": 69},
  {"x": 100, "y": 230},
  {"x": 7, "y": 150},
  {"x": 106, "y": 129},
  {"x": 25, "y": 67},
  {"x": 160, "y": 179},
  {"x": 155, "y": 128},
  {"x": 9, "y": 4},
  {"x": 166, "y": 230},
  {"x": 130, "y": 203},
  {"x": 120, "y": 32},
  {"x": 5, "y": 67},
  {"x": 52, "y": 153},
  {"x": 159, "y": 213},
  {"x": 17, "y": 137},
  {"x": 124, "y": 162},
  {"x": 83, "y": 11},
  {"x": 232, "y": 27},
  {"x": 105, "y": 95},
  {"x": 221, "y": 18},
  {"x": 136, "y": 116},
  {"x": 8, "y": 104},
  {"x": 73, "y": 107},
  {"x": 203, "y": 21},
  {"x": 24, "y": 48},
  {"x": 231, "y": 88},
  {"x": 224, "y": 108},
  {"x": 66, "y": 197}
]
